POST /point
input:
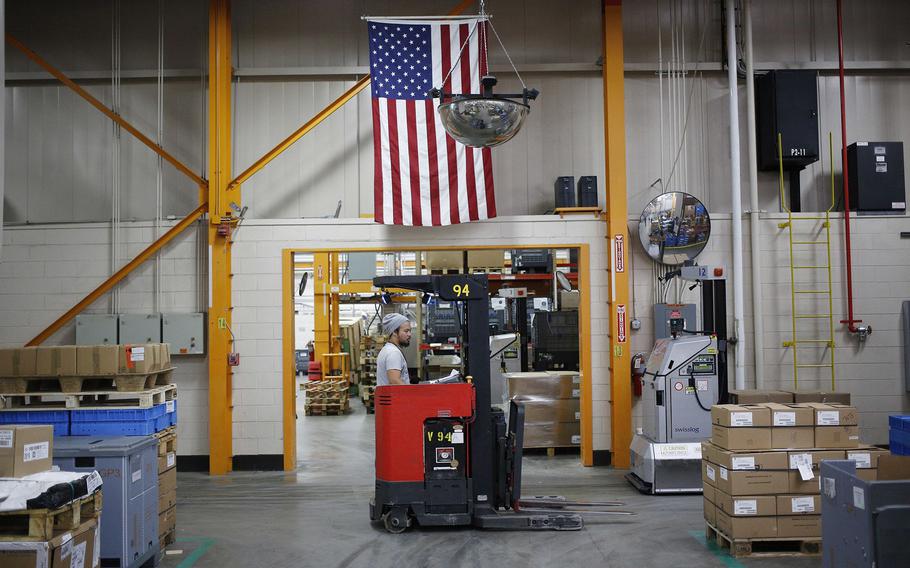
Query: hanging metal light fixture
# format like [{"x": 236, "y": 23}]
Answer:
[{"x": 484, "y": 120}]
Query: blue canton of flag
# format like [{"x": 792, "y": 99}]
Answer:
[{"x": 400, "y": 63}]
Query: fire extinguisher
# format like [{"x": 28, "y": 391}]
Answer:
[{"x": 638, "y": 371}]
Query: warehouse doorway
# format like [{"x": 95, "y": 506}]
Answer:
[{"x": 331, "y": 308}]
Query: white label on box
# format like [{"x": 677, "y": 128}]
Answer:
[
  {"x": 805, "y": 472},
  {"x": 169, "y": 406},
  {"x": 745, "y": 506},
  {"x": 172, "y": 457},
  {"x": 93, "y": 482},
  {"x": 710, "y": 471},
  {"x": 851, "y": 438},
  {"x": 744, "y": 462},
  {"x": 828, "y": 418},
  {"x": 802, "y": 504},
  {"x": 575, "y": 393},
  {"x": 457, "y": 438},
  {"x": 740, "y": 418},
  {"x": 785, "y": 419},
  {"x": 137, "y": 354},
  {"x": 6, "y": 438},
  {"x": 137, "y": 475},
  {"x": 859, "y": 497},
  {"x": 863, "y": 459},
  {"x": 66, "y": 545},
  {"x": 78, "y": 560},
  {"x": 797, "y": 459},
  {"x": 576, "y": 439},
  {"x": 39, "y": 451},
  {"x": 576, "y": 380},
  {"x": 828, "y": 487},
  {"x": 578, "y": 416},
  {"x": 724, "y": 473}
]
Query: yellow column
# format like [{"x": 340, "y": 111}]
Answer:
[
  {"x": 219, "y": 198},
  {"x": 617, "y": 229},
  {"x": 322, "y": 309}
]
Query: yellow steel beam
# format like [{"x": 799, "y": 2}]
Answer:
[
  {"x": 113, "y": 280},
  {"x": 584, "y": 343},
  {"x": 288, "y": 363},
  {"x": 100, "y": 106},
  {"x": 220, "y": 336},
  {"x": 322, "y": 325},
  {"x": 320, "y": 116},
  {"x": 617, "y": 233}
]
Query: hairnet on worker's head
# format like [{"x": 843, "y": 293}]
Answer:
[{"x": 392, "y": 322}]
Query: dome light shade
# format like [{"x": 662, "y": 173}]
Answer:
[{"x": 483, "y": 120}]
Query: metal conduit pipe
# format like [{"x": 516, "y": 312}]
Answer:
[
  {"x": 737, "y": 209},
  {"x": 758, "y": 343}
]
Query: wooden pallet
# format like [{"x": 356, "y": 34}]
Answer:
[
  {"x": 41, "y": 524},
  {"x": 325, "y": 408},
  {"x": 167, "y": 539},
  {"x": 101, "y": 399},
  {"x": 367, "y": 396},
  {"x": 763, "y": 547},
  {"x": 78, "y": 384},
  {"x": 167, "y": 440}
]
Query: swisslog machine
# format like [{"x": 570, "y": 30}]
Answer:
[
  {"x": 686, "y": 374},
  {"x": 444, "y": 457}
]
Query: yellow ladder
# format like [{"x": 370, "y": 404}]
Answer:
[{"x": 827, "y": 343}]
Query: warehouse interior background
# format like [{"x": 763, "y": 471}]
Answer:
[{"x": 81, "y": 197}]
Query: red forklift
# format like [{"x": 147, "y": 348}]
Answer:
[{"x": 444, "y": 456}]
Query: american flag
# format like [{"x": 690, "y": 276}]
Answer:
[{"x": 422, "y": 176}]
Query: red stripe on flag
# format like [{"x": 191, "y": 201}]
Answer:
[
  {"x": 377, "y": 165},
  {"x": 445, "y": 37},
  {"x": 487, "y": 158},
  {"x": 395, "y": 167},
  {"x": 411, "y": 118},
  {"x": 433, "y": 161},
  {"x": 465, "y": 63}
]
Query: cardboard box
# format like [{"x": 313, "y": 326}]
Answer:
[
  {"x": 799, "y": 526},
  {"x": 746, "y": 505},
  {"x": 746, "y": 527},
  {"x": 791, "y": 415},
  {"x": 18, "y": 361},
  {"x": 793, "y": 438},
  {"x": 737, "y": 461},
  {"x": 547, "y": 435},
  {"x": 891, "y": 468},
  {"x": 866, "y": 457},
  {"x": 796, "y": 483},
  {"x": 166, "y": 462},
  {"x": 97, "y": 360},
  {"x": 867, "y": 474},
  {"x": 549, "y": 410},
  {"x": 709, "y": 492},
  {"x": 740, "y": 415},
  {"x": 821, "y": 396},
  {"x": 167, "y": 521},
  {"x": 710, "y": 511},
  {"x": 836, "y": 436},
  {"x": 569, "y": 300},
  {"x": 834, "y": 414},
  {"x": 744, "y": 482},
  {"x": 167, "y": 500},
  {"x": 747, "y": 396},
  {"x": 791, "y": 505},
  {"x": 544, "y": 385},
  {"x": 167, "y": 481},
  {"x": 57, "y": 361},
  {"x": 136, "y": 359},
  {"x": 741, "y": 438},
  {"x": 25, "y": 449},
  {"x": 709, "y": 473},
  {"x": 812, "y": 457},
  {"x": 77, "y": 548}
]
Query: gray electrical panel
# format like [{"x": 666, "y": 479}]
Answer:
[
  {"x": 361, "y": 265},
  {"x": 185, "y": 333},
  {"x": 96, "y": 329},
  {"x": 664, "y": 312},
  {"x": 140, "y": 328},
  {"x": 905, "y": 325}
]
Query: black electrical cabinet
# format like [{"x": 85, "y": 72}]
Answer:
[
  {"x": 876, "y": 176},
  {"x": 564, "y": 191},
  {"x": 786, "y": 102},
  {"x": 587, "y": 191}
]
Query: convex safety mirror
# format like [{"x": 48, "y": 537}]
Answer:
[{"x": 674, "y": 227}]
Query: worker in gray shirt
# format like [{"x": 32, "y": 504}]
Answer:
[{"x": 391, "y": 366}]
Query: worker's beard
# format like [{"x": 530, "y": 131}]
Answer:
[{"x": 403, "y": 343}]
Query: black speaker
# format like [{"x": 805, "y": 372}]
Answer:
[
  {"x": 787, "y": 102},
  {"x": 876, "y": 175},
  {"x": 587, "y": 191},
  {"x": 565, "y": 191}
]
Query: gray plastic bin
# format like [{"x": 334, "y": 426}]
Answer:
[
  {"x": 129, "y": 468},
  {"x": 864, "y": 523}
]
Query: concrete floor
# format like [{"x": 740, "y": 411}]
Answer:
[{"x": 318, "y": 516}]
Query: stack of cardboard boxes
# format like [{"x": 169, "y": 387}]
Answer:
[
  {"x": 167, "y": 486},
  {"x": 761, "y": 466},
  {"x": 551, "y": 402},
  {"x": 64, "y": 361}
]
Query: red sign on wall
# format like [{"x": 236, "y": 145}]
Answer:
[
  {"x": 620, "y": 323},
  {"x": 620, "y": 253}
]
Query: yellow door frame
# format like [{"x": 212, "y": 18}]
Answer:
[{"x": 288, "y": 365}]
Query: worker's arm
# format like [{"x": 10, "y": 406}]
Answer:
[{"x": 394, "y": 376}]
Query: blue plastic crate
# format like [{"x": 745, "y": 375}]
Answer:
[
  {"x": 899, "y": 442},
  {"x": 133, "y": 428},
  {"x": 59, "y": 419},
  {"x": 118, "y": 414},
  {"x": 899, "y": 423},
  {"x": 173, "y": 415}
]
